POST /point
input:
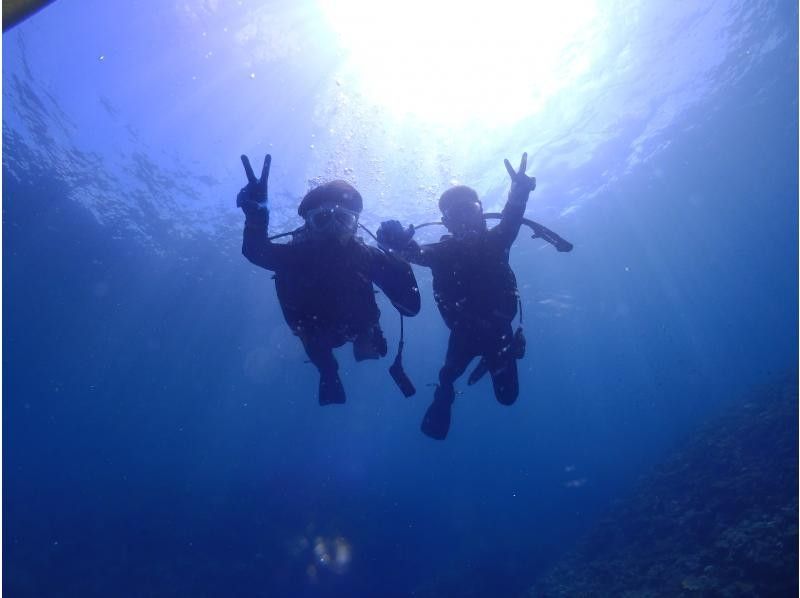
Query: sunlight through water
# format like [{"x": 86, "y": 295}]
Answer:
[
  {"x": 453, "y": 63},
  {"x": 401, "y": 100}
]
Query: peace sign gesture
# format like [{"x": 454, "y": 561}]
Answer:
[
  {"x": 521, "y": 182},
  {"x": 253, "y": 196}
]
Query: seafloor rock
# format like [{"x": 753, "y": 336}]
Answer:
[{"x": 719, "y": 518}]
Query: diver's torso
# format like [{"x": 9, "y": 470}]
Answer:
[
  {"x": 328, "y": 289},
  {"x": 473, "y": 284}
]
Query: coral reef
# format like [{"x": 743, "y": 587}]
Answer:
[{"x": 718, "y": 518}]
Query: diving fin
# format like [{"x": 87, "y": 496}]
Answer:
[
  {"x": 331, "y": 391},
  {"x": 436, "y": 423}
]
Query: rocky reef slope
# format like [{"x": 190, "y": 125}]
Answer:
[{"x": 718, "y": 518}]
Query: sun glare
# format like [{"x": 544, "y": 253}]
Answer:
[{"x": 450, "y": 62}]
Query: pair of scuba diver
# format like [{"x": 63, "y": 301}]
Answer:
[{"x": 324, "y": 279}]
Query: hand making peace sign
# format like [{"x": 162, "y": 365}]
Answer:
[
  {"x": 253, "y": 196},
  {"x": 521, "y": 182}
]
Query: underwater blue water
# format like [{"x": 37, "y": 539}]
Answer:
[{"x": 161, "y": 435}]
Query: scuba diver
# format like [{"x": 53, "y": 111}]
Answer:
[
  {"x": 324, "y": 275},
  {"x": 474, "y": 289}
]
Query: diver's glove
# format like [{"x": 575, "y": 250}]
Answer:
[
  {"x": 392, "y": 235},
  {"x": 521, "y": 183},
  {"x": 253, "y": 196}
]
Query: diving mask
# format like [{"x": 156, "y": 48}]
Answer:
[
  {"x": 332, "y": 219},
  {"x": 464, "y": 218}
]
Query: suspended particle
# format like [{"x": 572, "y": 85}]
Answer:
[
  {"x": 252, "y": 75},
  {"x": 102, "y": 57}
]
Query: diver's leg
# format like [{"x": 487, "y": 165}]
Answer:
[
  {"x": 436, "y": 422},
  {"x": 320, "y": 352},
  {"x": 459, "y": 354},
  {"x": 502, "y": 362}
]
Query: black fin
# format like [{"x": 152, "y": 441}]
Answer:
[{"x": 436, "y": 423}]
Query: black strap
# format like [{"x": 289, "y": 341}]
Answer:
[
  {"x": 369, "y": 232},
  {"x": 396, "y": 370},
  {"x": 539, "y": 231},
  {"x": 291, "y": 232}
]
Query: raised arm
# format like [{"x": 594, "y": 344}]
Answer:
[
  {"x": 514, "y": 210},
  {"x": 256, "y": 247}
]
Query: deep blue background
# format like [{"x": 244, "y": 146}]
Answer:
[{"x": 161, "y": 437}]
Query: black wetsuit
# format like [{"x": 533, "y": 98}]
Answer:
[
  {"x": 326, "y": 293},
  {"x": 476, "y": 293}
]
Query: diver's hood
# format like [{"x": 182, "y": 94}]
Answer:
[{"x": 335, "y": 192}]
